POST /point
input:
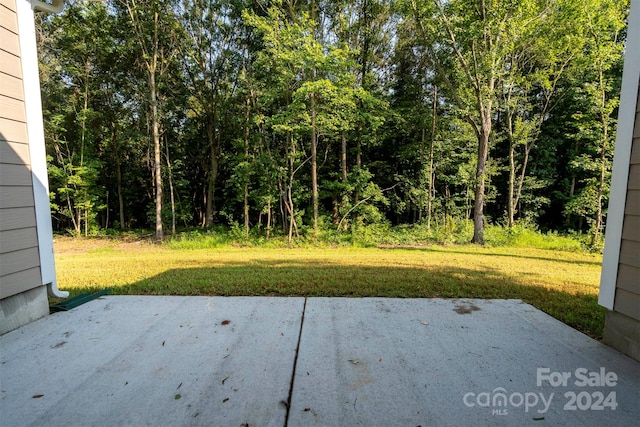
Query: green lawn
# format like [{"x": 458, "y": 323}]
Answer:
[{"x": 563, "y": 284}]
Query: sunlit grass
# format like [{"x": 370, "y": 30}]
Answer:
[{"x": 563, "y": 284}]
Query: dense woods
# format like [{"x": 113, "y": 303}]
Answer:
[{"x": 287, "y": 118}]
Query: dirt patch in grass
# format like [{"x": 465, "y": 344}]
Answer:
[{"x": 69, "y": 245}]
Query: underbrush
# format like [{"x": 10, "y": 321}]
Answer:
[
  {"x": 526, "y": 236},
  {"x": 522, "y": 235}
]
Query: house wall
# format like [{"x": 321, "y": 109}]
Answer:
[
  {"x": 620, "y": 281},
  {"x": 22, "y": 296},
  {"x": 627, "y": 300},
  {"x": 622, "y": 324}
]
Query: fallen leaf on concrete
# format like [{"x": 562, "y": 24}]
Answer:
[
  {"x": 225, "y": 322},
  {"x": 424, "y": 323},
  {"x": 225, "y": 400},
  {"x": 226, "y": 378},
  {"x": 37, "y": 396},
  {"x": 307, "y": 409},
  {"x": 177, "y": 396},
  {"x": 354, "y": 361}
]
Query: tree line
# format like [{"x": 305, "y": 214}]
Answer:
[{"x": 288, "y": 117}]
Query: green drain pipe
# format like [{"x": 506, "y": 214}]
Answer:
[{"x": 73, "y": 302}]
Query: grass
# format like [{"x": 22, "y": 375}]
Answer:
[{"x": 562, "y": 284}]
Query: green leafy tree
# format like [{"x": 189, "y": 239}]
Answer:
[
  {"x": 75, "y": 80},
  {"x": 153, "y": 29},
  {"x": 468, "y": 44},
  {"x": 212, "y": 61},
  {"x": 594, "y": 124}
]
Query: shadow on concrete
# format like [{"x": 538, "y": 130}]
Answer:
[{"x": 291, "y": 278}]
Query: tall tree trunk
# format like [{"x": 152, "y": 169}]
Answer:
[
  {"x": 314, "y": 162},
  {"x": 340, "y": 200},
  {"x": 83, "y": 133},
  {"x": 366, "y": 44},
  {"x": 599, "y": 215},
  {"x": 106, "y": 222},
  {"x": 481, "y": 171},
  {"x": 157, "y": 170},
  {"x": 365, "y": 52},
  {"x": 523, "y": 172},
  {"x": 343, "y": 156},
  {"x": 116, "y": 153},
  {"x": 604, "y": 119},
  {"x": 356, "y": 195},
  {"x": 515, "y": 185},
  {"x": 120, "y": 196},
  {"x": 292, "y": 218},
  {"x": 421, "y": 179},
  {"x": 245, "y": 212},
  {"x": 572, "y": 187},
  {"x": 512, "y": 172},
  {"x": 268, "y": 218},
  {"x": 289, "y": 191},
  {"x": 282, "y": 201},
  {"x": 246, "y": 157},
  {"x": 431, "y": 192},
  {"x": 171, "y": 192},
  {"x": 213, "y": 171}
]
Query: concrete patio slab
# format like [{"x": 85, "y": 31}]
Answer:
[
  {"x": 431, "y": 362},
  {"x": 157, "y": 361},
  {"x": 176, "y": 361}
]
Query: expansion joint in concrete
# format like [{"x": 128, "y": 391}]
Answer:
[{"x": 295, "y": 363}]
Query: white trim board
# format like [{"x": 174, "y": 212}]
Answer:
[{"x": 35, "y": 130}]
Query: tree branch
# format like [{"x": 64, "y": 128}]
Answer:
[{"x": 361, "y": 202}]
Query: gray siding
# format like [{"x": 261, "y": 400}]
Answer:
[
  {"x": 627, "y": 299},
  {"x": 19, "y": 258}
]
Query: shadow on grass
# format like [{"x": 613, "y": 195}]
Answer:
[
  {"x": 493, "y": 254},
  {"x": 281, "y": 278}
]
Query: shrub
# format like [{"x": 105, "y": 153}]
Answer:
[{"x": 525, "y": 234}]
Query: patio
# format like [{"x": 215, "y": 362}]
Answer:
[{"x": 259, "y": 361}]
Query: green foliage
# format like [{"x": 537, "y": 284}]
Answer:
[
  {"x": 197, "y": 239},
  {"x": 246, "y": 92},
  {"x": 381, "y": 234},
  {"x": 525, "y": 234},
  {"x": 593, "y": 124}
]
